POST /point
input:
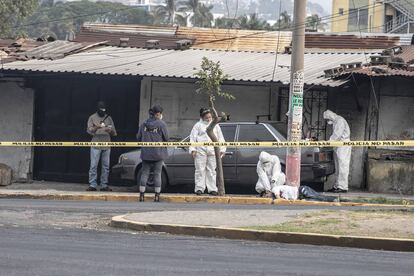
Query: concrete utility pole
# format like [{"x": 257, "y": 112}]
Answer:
[{"x": 296, "y": 93}]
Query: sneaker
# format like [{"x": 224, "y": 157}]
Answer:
[
  {"x": 199, "y": 193},
  {"x": 106, "y": 189},
  {"x": 91, "y": 189},
  {"x": 141, "y": 197},
  {"x": 214, "y": 193},
  {"x": 337, "y": 190}
]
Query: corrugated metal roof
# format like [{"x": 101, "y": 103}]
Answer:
[
  {"x": 383, "y": 71},
  {"x": 407, "y": 54},
  {"x": 131, "y": 28},
  {"x": 240, "y": 66},
  {"x": 241, "y": 40},
  {"x": 135, "y": 39},
  {"x": 56, "y": 49},
  {"x": 353, "y": 40},
  {"x": 257, "y": 40},
  {"x": 13, "y": 48}
]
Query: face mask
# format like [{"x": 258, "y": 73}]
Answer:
[
  {"x": 101, "y": 112},
  {"x": 330, "y": 122}
]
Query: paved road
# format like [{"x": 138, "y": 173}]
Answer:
[{"x": 71, "y": 238}]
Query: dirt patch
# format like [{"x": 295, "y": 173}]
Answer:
[{"x": 375, "y": 223}]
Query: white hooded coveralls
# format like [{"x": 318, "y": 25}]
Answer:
[
  {"x": 342, "y": 155},
  {"x": 270, "y": 173},
  {"x": 205, "y": 159}
]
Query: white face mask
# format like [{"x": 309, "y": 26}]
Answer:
[{"x": 330, "y": 122}]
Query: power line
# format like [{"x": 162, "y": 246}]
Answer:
[
  {"x": 277, "y": 44},
  {"x": 371, "y": 82}
]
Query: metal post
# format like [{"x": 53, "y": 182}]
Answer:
[{"x": 293, "y": 157}]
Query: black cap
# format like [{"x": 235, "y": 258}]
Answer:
[
  {"x": 156, "y": 109},
  {"x": 101, "y": 104}
]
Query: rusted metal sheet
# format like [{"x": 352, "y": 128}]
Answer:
[{"x": 139, "y": 40}]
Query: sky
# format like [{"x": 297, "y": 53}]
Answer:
[{"x": 326, "y": 4}]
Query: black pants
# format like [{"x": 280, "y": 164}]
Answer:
[{"x": 156, "y": 168}]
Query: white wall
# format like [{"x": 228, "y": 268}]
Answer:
[
  {"x": 16, "y": 124},
  {"x": 181, "y": 104}
]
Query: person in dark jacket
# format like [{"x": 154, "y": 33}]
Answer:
[{"x": 153, "y": 129}]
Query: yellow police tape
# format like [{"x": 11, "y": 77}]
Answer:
[{"x": 395, "y": 143}]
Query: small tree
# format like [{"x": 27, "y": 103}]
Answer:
[{"x": 211, "y": 77}]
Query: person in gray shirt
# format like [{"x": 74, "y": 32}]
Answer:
[{"x": 101, "y": 128}]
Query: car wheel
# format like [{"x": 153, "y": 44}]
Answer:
[{"x": 150, "y": 183}]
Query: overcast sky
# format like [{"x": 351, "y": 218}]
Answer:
[{"x": 327, "y": 4}]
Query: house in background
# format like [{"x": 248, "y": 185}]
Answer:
[
  {"x": 133, "y": 67},
  {"x": 378, "y": 16}
]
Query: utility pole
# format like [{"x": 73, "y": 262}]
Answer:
[{"x": 293, "y": 156}]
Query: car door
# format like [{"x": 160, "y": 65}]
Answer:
[
  {"x": 182, "y": 165},
  {"x": 247, "y": 158}
]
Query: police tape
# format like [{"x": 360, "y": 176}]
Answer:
[{"x": 304, "y": 144}]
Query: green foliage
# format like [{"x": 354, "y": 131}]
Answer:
[
  {"x": 61, "y": 19},
  {"x": 315, "y": 23},
  {"x": 253, "y": 22},
  {"x": 202, "y": 15},
  {"x": 11, "y": 11},
  {"x": 211, "y": 77}
]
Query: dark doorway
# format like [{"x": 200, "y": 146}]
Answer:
[{"x": 62, "y": 107}]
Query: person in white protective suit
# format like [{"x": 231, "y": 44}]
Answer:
[
  {"x": 204, "y": 157},
  {"x": 342, "y": 155},
  {"x": 270, "y": 174}
]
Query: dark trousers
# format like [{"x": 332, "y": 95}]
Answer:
[{"x": 156, "y": 168}]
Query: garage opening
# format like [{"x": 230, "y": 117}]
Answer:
[{"x": 62, "y": 107}]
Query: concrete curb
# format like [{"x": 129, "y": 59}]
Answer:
[
  {"x": 171, "y": 198},
  {"x": 268, "y": 236}
]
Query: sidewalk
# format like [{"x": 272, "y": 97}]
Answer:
[
  {"x": 75, "y": 191},
  {"x": 277, "y": 226}
]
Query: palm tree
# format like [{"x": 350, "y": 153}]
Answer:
[
  {"x": 315, "y": 23},
  {"x": 284, "y": 22},
  {"x": 202, "y": 16},
  {"x": 166, "y": 12}
]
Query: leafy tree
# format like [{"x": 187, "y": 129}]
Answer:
[
  {"x": 253, "y": 22},
  {"x": 11, "y": 12},
  {"x": 201, "y": 14},
  {"x": 315, "y": 23},
  {"x": 166, "y": 13},
  {"x": 226, "y": 23},
  {"x": 210, "y": 78},
  {"x": 60, "y": 19},
  {"x": 284, "y": 22}
]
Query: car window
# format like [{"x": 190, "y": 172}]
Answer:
[
  {"x": 229, "y": 132},
  {"x": 255, "y": 133}
]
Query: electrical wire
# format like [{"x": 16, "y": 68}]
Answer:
[
  {"x": 371, "y": 81},
  {"x": 278, "y": 42}
]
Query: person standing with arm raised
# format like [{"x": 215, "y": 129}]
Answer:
[{"x": 101, "y": 127}]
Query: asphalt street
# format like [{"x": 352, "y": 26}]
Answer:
[{"x": 72, "y": 238}]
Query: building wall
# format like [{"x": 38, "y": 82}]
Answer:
[
  {"x": 341, "y": 23},
  {"x": 16, "y": 124},
  {"x": 396, "y": 109},
  {"x": 181, "y": 103}
]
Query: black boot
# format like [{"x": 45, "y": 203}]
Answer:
[
  {"x": 141, "y": 197},
  {"x": 157, "y": 197}
]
